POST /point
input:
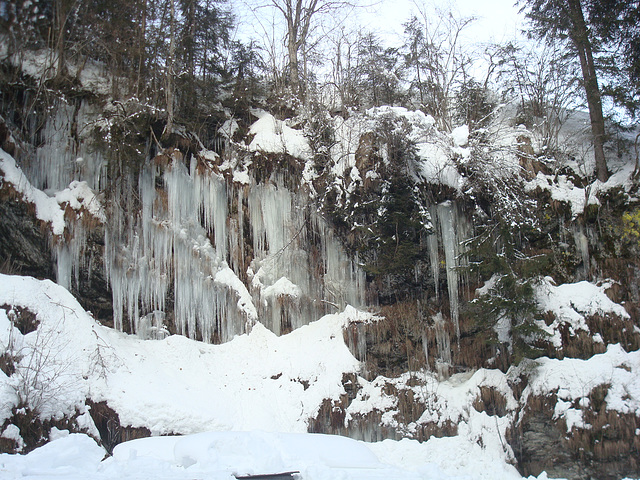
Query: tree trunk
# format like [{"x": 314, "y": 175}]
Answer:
[
  {"x": 62, "y": 10},
  {"x": 580, "y": 37},
  {"x": 294, "y": 70},
  {"x": 169, "y": 93},
  {"x": 142, "y": 34}
]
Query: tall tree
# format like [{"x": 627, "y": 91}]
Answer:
[
  {"x": 299, "y": 17},
  {"x": 617, "y": 23},
  {"x": 437, "y": 60},
  {"x": 565, "y": 20}
]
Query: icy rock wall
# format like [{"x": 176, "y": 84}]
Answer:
[
  {"x": 228, "y": 254},
  {"x": 57, "y": 154},
  {"x": 300, "y": 270},
  {"x": 452, "y": 230},
  {"x": 156, "y": 243}
]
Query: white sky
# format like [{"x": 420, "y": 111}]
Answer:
[{"x": 497, "y": 20}]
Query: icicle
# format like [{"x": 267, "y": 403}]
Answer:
[
  {"x": 69, "y": 254},
  {"x": 454, "y": 230},
  {"x": 443, "y": 344},
  {"x": 582, "y": 246},
  {"x": 450, "y": 247},
  {"x": 58, "y": 159},
  {"x": 434, "y": 257}
]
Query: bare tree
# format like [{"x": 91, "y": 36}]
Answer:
[
  {"x": 544, "y": 80},
  {"x": 300, "y": 17},
  {"x": 436, "y": 56}
]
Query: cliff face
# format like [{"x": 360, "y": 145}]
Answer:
[{"x": 475, "y": 253}]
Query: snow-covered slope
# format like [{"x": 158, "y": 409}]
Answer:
[
  {"x": 259, "y": 383},
  {"x": 256, "y": 383}
]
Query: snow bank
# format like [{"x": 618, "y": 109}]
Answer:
[
  {"x": 571, "y": 303},
  {"x": 274, "y": 136},
  {"x": 221, "y": 455},
  {"x": 50, "y": 209},
  {"x": 177, "y": 385}
]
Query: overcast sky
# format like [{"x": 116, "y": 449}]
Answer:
[{"x": 497, "y": 20}]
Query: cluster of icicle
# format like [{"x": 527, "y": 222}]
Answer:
[
  {"x": 192, "y": 235},
  {"x": 223, "y": 254}
]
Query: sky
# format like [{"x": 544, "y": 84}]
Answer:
[{"x": 496, "y": 20}]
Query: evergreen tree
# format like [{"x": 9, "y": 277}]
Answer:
[
  {"x": 568, "y": 21},
  {"x": 617, "y": 24}
]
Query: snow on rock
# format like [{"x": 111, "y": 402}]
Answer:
[
  {"x": 12, "y": 432},
  {"x": 446, "y": 401},
  {"x": 571, "y": 302},
  {"x": 50, "y": 209},
  {"x": 225, "y": 276},
  {"x": 436, "y": 165},
  {"x": 47, "y": 208},
  {"x": 274, "y": 136},
  {"x": 282, "y": 287},
  {"x": 79, "y": 196},
  {"x": 573, "y": 380},
  {"x": 563, "y": 190},
  {"x": 242, "y": 177},
  {"x": 259, "y": 383}
]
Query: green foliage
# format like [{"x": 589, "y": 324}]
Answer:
[
  {"x": 378, "y": 73},
  {"x": 631, "y": 225},
  {"x": 398, "y": 219},
  {"x": 508, "y": 300},
  {"x": 473, "y": 104},
  {"x": 320, "y": 134}
]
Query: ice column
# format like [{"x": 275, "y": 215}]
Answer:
[{"x": 454, "y": 231}]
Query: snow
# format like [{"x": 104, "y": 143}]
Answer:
[
  {"x": 242, "y": 177},
  {"x": 50, "y": 209},
  {"x": 571, "y": 303},
  {"x": 460, "y": 136},
  {"x": 275, "y": 136},
  {"x": 244, "y": 405}
]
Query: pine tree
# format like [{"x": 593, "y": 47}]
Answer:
[{"x": 565, "y": 21}]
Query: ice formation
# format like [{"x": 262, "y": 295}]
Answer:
[
  {"x": 454, "y": 229},
  {"x": 210, "y": 249},
  {"x": 230, "y": 254}
]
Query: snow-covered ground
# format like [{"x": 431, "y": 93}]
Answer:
[
  {"x": 243, "y": 404},
  {"x": 242, "y": 407},
  {"x": 220, "y": 455}
]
